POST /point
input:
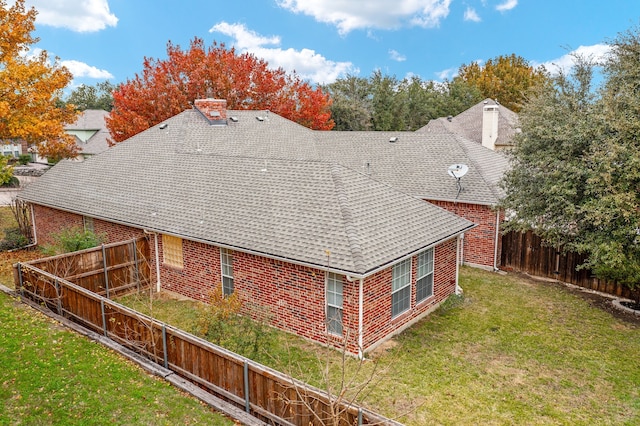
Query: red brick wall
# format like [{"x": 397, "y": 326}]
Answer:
[
  {"x": 201, "y": 272},
  {"x": 49, "y": 222},
  {"x": 378, "y": 323},
  {"x": 479, "y": 243},
  {"x": 293, "y": 296}
]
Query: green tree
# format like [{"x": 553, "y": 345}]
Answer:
[
  {"x": 575, "y": 178},
  {"x": 386, "y": 102},
  {"x": 504, "y": 78},
  {"x": 612, "y": 211},
  {"x": 86, "y": 97},
  {"x": 351, "y": 103},
  {"x": 546, "y": 185}
]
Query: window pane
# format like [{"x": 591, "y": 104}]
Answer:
[
  {"x": 401, "y": 275},
  {"x": 334, "y": 320},
  {"x": 334, "y": 303},
  {"x": 424, "y": 287},
  {"x": 400, "y": 301},
  {"x": 227, "y": 286},
  {"x": 424, "y": 283}
]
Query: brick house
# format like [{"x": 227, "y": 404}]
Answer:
[{"x": 330, "y": 252}]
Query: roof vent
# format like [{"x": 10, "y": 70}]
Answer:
[
  {"x": 260, "y": 118},
  {"x": 393, "y": 139},
  {"x": 449, "y": 118},
  {"x": 163, "y": 126},
  {"x": 233, "y": 118}
]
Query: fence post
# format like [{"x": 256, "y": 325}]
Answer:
[
  {"x": 20, "y": 280},
  {"x": 104, "y": 318},
  {"x": 247, "y": 404},
  {"x": 164, "y": 345},
  {"x": 359, "y": 416},
  {"x": 136, "y": 272},
  {"x": 106, "y": 272},
  {"x": 58, "y": 296}
]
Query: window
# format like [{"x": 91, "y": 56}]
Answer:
[
  {"x": 172, "y": 251},
  {"x": 334, "y": 304},
  {"x": 226, "y": 262},
  {"x": 88, "y": 224},
  {"x": 401, "y": 287},
  {"x": 424, "y": 281}
]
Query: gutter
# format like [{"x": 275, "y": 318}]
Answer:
[
  {"x": 355, "y": 275},
  {"x": 495, "y": 244}
]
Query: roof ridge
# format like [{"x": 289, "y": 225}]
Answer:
[{"x": 347, "y": 219}]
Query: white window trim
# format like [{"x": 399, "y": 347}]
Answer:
[
  {"x": 338, "y": 279},
  {"x": 431, "y": 272},
  {"x": 229, "y": 255},
  {"x": 393, "y": 292}
]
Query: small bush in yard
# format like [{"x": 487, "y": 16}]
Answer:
[
  {"x": 220, "y": 322},
  {"x": 6, "y": 171},
  {"x": 24, "y": 159},
  {"x": 13, "y": 239},
  {"x": 74, "y": 239}
]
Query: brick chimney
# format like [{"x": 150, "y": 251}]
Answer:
[{"x": 214, "y": 110}]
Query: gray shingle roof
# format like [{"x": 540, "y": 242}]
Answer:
[
  {"x": 92, "y": 120},
  {"x": 198, "y": 181},
  {"x": 468, "y": 124}
]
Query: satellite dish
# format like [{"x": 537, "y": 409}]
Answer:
[{"x": 457, "y": 170}]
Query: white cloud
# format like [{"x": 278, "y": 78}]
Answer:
[
  {"x": 597, "y": 53},
  {"x": 447, "y": 74},
  {"x": 507, "y": 5},
  {"x": 471, "y": 15},
  {"x": 76, "y": 15},
  {"x": 307, "y": 63},
  {"x": 397, "y": 56},
  {"x": 80, "y": 69},
  {"x": 349, "y": 15}
]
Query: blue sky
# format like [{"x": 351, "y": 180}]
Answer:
[{"x": 326, "y": 39}]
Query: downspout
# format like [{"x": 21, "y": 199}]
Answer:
[
  {"x": 459, "y": 249},
  {"x": 155, "y": 243},
  {"x": 495, "y": 249},
  {"x": 461, "y": 254},
  {"x": 360, "y": 319}
]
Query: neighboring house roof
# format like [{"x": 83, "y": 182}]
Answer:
[
  {"x": 90, "y": 131},
  {"x": 291, "y": 209},
  {"x": 468, "y": 124}
]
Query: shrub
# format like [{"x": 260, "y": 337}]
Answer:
[
  {"x": 13, "y": 239},
  {"x": 6, "y": 171},
  {"x": 74, "y": 239},
  {"x": 24, "y": 159},
  {"x": 220, "y": 322}
]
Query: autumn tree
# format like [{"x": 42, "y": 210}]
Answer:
[
  {"x": 86, "y": 97},
  {"x": 504, "y": 78},
  {"x": 31, "y": 87},
  {"x": 167, "y": 87}
]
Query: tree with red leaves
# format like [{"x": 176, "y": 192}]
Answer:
[{"x": 168, "y": 87}]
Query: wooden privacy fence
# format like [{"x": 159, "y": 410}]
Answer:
[
  {"x": 259, "y": 390},
  {"x": 108, "y": 270},
  {"x": 525, "y": 252}
]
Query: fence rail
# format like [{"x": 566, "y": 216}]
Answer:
[
  {"x": 259, "y": 390},
  {"x": 109, "y": 269},
  {"x": 525, "y": 252}
]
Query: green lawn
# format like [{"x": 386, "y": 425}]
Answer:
[
  {"x": 51, "y": 376},
  {"x": 512, "y": 351}
]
